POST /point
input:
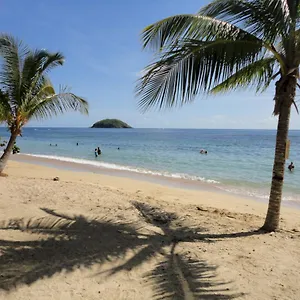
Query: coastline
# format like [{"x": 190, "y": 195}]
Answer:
[
  {"x": 182, "y": 191},
  {"x": 171, "y": 157},
  {"x": 180, "y": 183}
]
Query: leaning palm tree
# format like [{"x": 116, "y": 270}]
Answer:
[
  {"x": 26, "y": 92},
  {"x": 229, "y": 44}
]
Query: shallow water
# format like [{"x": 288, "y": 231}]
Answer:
[{"x": 238, "y": 161}]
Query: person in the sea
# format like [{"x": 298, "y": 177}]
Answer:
[
  {"x": 77, "y": 144},
  {"x": 291, "y": 167},
  {"x": 96, "y": 152},
  {"x": 99, "y": 151},
  {"x": 118, "y": 148}
]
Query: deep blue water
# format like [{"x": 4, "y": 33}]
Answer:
[{"x": 239, "y": 161}]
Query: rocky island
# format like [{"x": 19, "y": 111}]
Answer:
[{"x": 110, "y": 123}]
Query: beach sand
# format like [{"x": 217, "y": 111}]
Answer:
[{"x": 91, "y": 236}]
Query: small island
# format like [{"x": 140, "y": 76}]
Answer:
[{"x": 110, "y": 123}]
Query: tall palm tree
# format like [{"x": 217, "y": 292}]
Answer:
[
  {"x": 25, "y": 90},
  {"x": 229, "y": 44}
]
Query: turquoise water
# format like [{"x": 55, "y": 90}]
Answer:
[{"x": 238, "y": 161}]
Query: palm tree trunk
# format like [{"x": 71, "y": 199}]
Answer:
[
  {"x": 285, "y": 95},
  {"x": 5, "y": 156}
]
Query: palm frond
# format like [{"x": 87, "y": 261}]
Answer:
[
  {"x": 46, "y": 103},
  {"x": 257, "y": 17},
  {"x": 167, "y": 31},
  {"x": 5, "y": 109},
  {"x": 178, "y": 76},
  {"x": 53, "y": 60},
  {"x": 297, "y": 47},
  {"x": 36, "y": 63},
  {"x": 258, "y": 74},
  {"x": 30, "y": 93},
  {"x": 31, "y": 67},
  {"x": 12, "y": 53}
]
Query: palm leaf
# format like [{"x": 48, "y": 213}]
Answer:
[
  {"x": 12, "y": 52},
  {"x": 169, "y": 30},
  {"x": 256, "y": 16},
  {"x": 5, "y": 109},
  {"x": 178, "y": 76},
  {"x": 218, "y": 49},
  {"x": 297, "y": 46},
  {"x": 36, "y": 63},
  {"x": 53, "y": 60},
  {"x": 258, "y": 75},
  {"x": 30, "y": 93},
  {"x": 47, "y": 104}
]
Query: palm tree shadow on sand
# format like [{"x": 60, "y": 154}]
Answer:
[{"x": 75, "y": 241}]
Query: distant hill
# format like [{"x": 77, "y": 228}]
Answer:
[{"x": 110, "y": 123}]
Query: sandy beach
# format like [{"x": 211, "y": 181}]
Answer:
[{"x": 91, "y": 236}]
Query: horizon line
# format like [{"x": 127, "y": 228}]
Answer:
[{"x": 70, "y": 127}]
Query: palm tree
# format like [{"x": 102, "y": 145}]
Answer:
[
  {"x": 229, "y": 44},
  {"x": 26, "y": 92}
]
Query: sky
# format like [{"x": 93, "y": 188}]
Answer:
[{"x": 104, "y": 58}]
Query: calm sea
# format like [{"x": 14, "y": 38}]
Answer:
[{"x": 238, "y": 161}]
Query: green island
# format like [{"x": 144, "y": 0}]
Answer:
[{"x": 110, "y": 123}]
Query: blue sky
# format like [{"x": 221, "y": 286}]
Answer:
[{"x": 100, "y": 40}]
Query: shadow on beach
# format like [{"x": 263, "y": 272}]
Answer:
[{"x": 71, "y": 242}]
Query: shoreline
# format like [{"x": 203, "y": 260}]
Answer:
[
  {"x": 214, "y": 199},
  {"x": 157, "y": 179},
  {"x": 180, "y": 183}
]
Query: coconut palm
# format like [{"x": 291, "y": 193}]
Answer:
[
  {"x": 26, "y": 92},
  {"x": 229, "y": 44}
]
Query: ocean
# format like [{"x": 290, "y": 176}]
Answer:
[{"x": 238, "y": 161}]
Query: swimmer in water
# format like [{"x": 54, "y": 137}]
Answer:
[{"x": 291, "y": 167}]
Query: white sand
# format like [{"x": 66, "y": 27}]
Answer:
[{"x": 84, "y": 237}]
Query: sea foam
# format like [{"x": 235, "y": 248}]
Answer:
[{"x": 124, "y": 168}]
